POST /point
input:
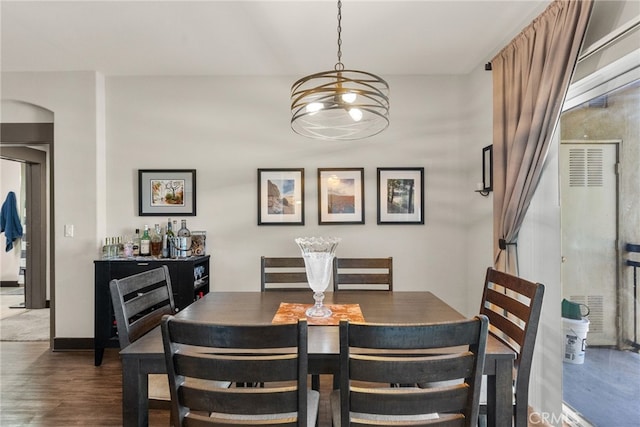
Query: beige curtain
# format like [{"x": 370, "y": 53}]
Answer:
[{"x": 531, "y": 76}]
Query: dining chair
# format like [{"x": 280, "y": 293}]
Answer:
[
  {"x": 513, "y": 306},
  {"x": 282, "y": 273},
  {"x": 285, "y": 274},
  {"x": 372, "y": 356},
  {"x": 197, "y": 353},
  {"x": 363, "y": 274},
  {"x": 139, "y": 302}
]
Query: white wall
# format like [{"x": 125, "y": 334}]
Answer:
[
  {"x": 71, "y": 96},
  {"x": 478, "y": 108},
  {"x": 539, "y": 261},
  {"x": 227, "y": 128}
]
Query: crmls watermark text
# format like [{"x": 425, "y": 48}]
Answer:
[{"x": 545, "y": 418}]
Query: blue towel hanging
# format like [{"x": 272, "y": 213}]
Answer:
[{"x": 10, "y": 220}]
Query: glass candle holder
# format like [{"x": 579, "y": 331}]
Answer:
[{"x": 318, "y": 254}]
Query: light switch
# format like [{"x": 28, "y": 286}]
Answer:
[{"x": 68, "y": 230}]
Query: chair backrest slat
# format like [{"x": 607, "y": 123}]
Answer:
[
  {"x": 281, "y": 400},
  {"x": 372, "y": 355},
  {"x": 363, "y": 273},
  {"x": 511, "y": 309},
  {"x": 198, "y": 354},
  {"x": 513, "y": 306},
  {"x": 406, "y": 370},
  {"x": 282, "y": 273},
  {"x": 229, "y": 368},
  {"x": 509, "y": 302},
  {"x": 139, "y": 302}
]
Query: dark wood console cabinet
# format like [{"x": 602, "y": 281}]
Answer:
[{"x": 189, "y": 280}]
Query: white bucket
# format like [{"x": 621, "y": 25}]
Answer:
[{"x": 575, "y": 339}]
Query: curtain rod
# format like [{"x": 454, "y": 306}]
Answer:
[{"x": 604, "y": 42}]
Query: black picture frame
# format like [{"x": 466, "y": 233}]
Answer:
[
  {"x": 166, "y": 192},
  {"x": 340, "y": 196},
  {"x": 401, "y": 195},
  {"x": 487, "y": 168},
  {"x": 281, "y": 196}
]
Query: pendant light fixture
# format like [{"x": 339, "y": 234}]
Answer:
[{"x": 340, "y": 104}]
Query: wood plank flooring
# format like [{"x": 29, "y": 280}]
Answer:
[{"x": 43, "y": 388}]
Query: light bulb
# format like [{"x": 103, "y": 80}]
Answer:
[
  {"x": 314, "y": 107},
  {"x": 348, "y": 97},
  {"x": 356, "y": 114}
]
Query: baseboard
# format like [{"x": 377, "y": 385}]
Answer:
[
  {"x": 9, "y": 284},
  {"x": 64, "y": 344}
]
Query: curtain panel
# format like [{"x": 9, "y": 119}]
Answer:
[{"x": 531, "y": 77}]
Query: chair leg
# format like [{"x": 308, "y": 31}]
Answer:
[
  {"x": 336, "y": 382},
  {"x": 315, "y": 382}
]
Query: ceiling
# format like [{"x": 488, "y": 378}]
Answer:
[{"x": 288, "y": 38}]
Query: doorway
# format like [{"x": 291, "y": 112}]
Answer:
[
  {"x": 32, "y": 144},
  {"x": 600, "y": 213},
  {"x": 34, "y": 239}
]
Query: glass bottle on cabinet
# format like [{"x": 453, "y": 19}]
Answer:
[
  {"x": 145, "y": 242},
  {"x": 184, "y": 240}
]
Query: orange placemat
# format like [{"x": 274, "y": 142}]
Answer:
[{"x": 291, "y": 312}]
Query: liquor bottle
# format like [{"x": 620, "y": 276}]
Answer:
[
  {"x": 120, "y": 247},
  {"x": 106, "y": 250},
  {"x": 171, "y": 249},
  {"x": 113, "y": 248},
  {"x": 156, "y": 241},
  {"x": 136, "y": 243},
  {"x": 145, "y": 242},
  {"x": 184, "y": 240}
]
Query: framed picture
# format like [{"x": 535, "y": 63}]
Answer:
[
  {"x": 170, "y": 192},
  {"x": 400, "y": 195},
  {"x": 280, "y": 196},
  {"x": 487, "y": 168},
  {"x": 341, "y": 196}
]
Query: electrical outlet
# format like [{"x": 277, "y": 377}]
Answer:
[{"x": 68, "y": 230}]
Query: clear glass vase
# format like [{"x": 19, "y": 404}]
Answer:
[{"x": 318, "y": 254}]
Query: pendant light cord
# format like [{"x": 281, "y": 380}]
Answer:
[{"x": 339, "y": 65}]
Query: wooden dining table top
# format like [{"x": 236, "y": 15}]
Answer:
[
  {"x": 261, "y": 307},
  {"x": 146, "y": 355}
]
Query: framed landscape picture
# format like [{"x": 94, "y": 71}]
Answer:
[
  {"x": 281, "y": 196},
  {"x": 169, "y": 192},
  {"x": 400, "y": 195},
  {"x": 341, "y": 196}
]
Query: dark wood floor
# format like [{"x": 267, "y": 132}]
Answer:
[{"x": 43, "y": 388}]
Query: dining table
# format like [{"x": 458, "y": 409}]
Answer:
[{"x": 146, "y": 355}]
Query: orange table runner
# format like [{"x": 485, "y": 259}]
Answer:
[{"x": 291, "y": 312}]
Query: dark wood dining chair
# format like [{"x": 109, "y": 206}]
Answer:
[
  {"x": 372, "y": 356},
  {"x": 283, "y": 273},
  {"x": 363, "y": 274},
  {"x": 197, "y": 353},
  {"x": 139, "y": 302},
  {"x": 513, "y": 306}
]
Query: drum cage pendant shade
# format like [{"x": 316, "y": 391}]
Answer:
[{"x": 340, "y": 104}]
